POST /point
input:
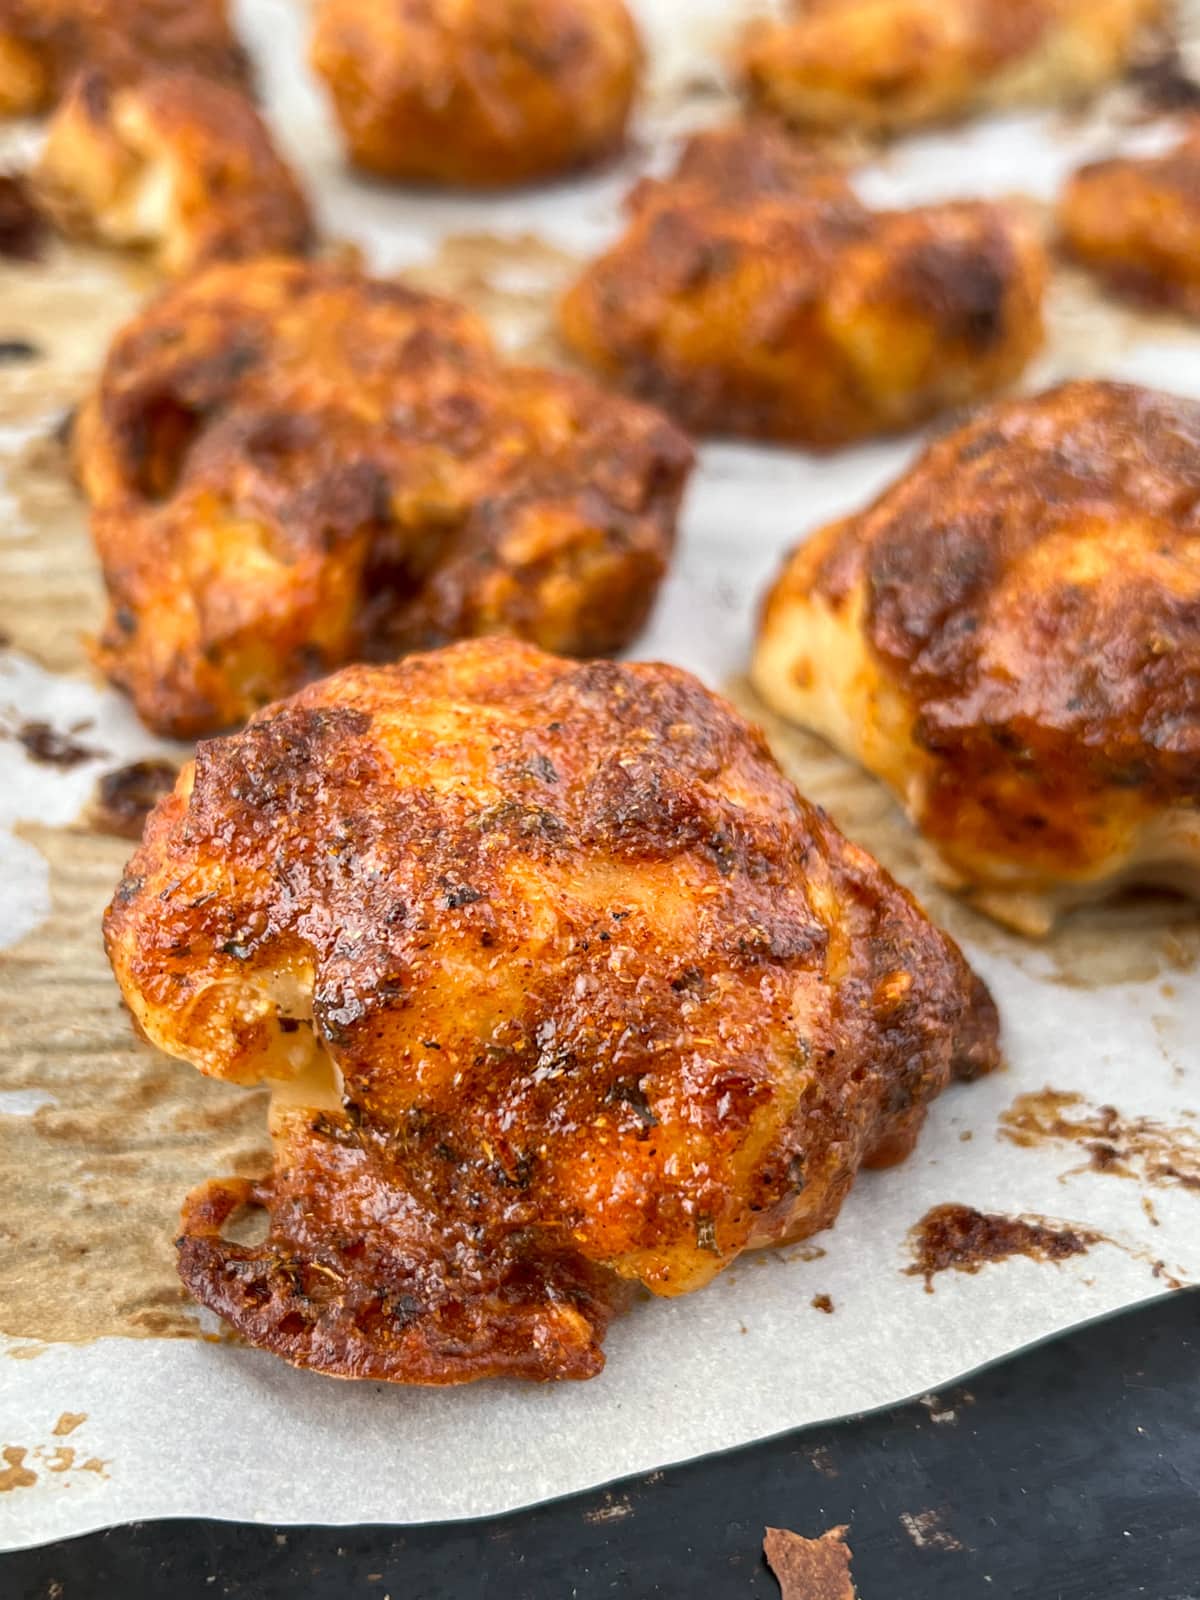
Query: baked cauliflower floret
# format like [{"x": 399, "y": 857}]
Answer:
[
  {"x": 1136, "y": 222},
  {"x": 754, "y": 294},
  {"x": 174, "y": 163},
  {"x": 1010, "y": 638},
  {"x": 44, "y": 43},
  {"x": 599, "y": 999},
  {"x": 884, "y": 65},
  {"x": 480, "y": 93},
  {"x": 293, "y": 466}
]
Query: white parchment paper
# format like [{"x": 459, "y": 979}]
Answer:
[{"x": 186, "y": 1428}]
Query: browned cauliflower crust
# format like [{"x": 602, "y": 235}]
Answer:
[
  {"x": 881, "y": 66},
  {"x": 1010, "y": 638},
  {"x": 1136, "y": 222},
  {"x": 43, "y": 43},
  {"x": 479, "y": 93},
  {"x": 754, "y": 294},
  {"x": 293, "y": 466},
  {"x": 561, "y": 986},
  {"x": 173, "y": 163}
]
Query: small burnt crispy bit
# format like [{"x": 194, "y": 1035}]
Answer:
[
  {"x": 292, "y": 466},
  {"x": 44, "y": 43},
  {"x": 1010, "y": 638},
  {"x": 560, "y": 986},
  {"x": 881, "y": 66},
  {"x": 1136, "y": 222},
  {"x": 810, "y": 1569},
  {"x": 175, "y": 164},
  {"x": 125, "y": 797},
  {"x": 479, "y": 93},
  {"x": 22, "y": 224},
  {"x": 754, "y": 294}
]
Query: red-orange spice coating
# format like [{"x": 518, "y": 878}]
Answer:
[
  {"x": 174, "y": 162},
  {"x": 480, "y": 93},
  {"x": 883, "y": 66},
  {"x": 43, "y": 43},
  {"x": 293, "y": 466},
  {"x": 754, "y": 294},
  {"x": 1136, "y": 222},
  {"x": 1019, "y": 637},
  {"x": 608, "y": 1000}
]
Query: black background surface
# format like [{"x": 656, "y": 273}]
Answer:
[{"x": 1071, "y": 1472}]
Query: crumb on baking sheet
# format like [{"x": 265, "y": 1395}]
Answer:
[
  {"x": 821, "y": 1458},
  {"x": 810, "y": 1569},
  {"x": 925, "y": 1530}
]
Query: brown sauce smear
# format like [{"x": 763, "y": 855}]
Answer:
[
  {"x": 126, "y": 797},
  {"x": 1123, "y": 1146},
  {"x": 960, "y": 1238}
]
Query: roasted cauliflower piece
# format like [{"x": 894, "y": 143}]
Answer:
[
  {"x": 293, "y": 466},
  {"x": 480, "y": 93},
  {"x": 174, "y": 163},
  {"x": 754, "y": 294},
  {"x": 561, "y": 987},
  {"x": 1010, "y": 638},
  {"x": 44, "y": 43},
  {"x": 1136, "y": 222},
  {"x": 881, "y": 66}
]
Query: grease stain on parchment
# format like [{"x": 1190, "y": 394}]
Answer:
[
  {"x": 52, "y": 595},
  {"x": 96, "y": 1175},
  {"x": 513, "y": 283},
  {"x": 95, "y": 1180},
  {"x": 15, "y": 1474},
  {"x": 24, "y": 1468}
]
